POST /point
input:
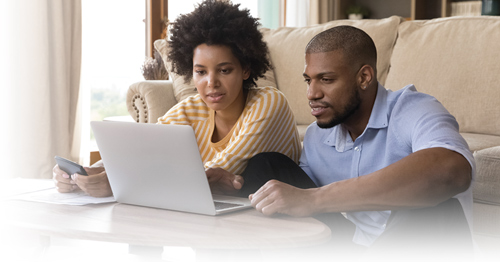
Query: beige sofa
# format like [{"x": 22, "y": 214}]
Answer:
[{"x": 457, "y": 60}]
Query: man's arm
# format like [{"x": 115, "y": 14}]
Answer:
[{"x": 424, "y": 178}]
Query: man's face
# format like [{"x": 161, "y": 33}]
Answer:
[{"x": 332, "y": 89}]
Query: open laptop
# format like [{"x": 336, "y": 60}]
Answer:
[{"x": 158, "y": 166}]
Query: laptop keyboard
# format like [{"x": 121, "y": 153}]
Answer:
[{"x": 223, "y": 205}]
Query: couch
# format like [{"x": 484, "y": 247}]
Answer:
[{"x": 455, "y": 59}]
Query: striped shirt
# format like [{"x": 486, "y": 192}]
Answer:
[{"x": 265, "y": 125}]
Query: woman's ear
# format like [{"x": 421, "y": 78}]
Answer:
[{"x": 246, "y": 73}]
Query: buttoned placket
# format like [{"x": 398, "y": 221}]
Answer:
[{"x": 356, "y": 156}]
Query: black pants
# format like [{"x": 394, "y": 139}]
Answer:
[{"x": 441, "y": 229}]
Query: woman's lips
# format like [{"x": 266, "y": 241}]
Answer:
[{"x": 215, "y": 97}]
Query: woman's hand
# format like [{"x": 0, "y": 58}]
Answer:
[
  {"x": 96, "y": 184},
  {"x": 223, "y": 182}
]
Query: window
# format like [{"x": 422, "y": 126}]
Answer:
[{"x": 113, "y": 51}]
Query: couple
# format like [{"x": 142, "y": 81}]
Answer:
[{"x": 394, "y": 162}]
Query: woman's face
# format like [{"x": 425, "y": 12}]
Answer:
[{"x": 218, "y": 76}]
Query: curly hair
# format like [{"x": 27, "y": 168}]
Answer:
[{"x": 218, "y": 23}]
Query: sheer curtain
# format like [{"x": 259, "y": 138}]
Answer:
[
  {"x": 40, "y": 83},
  {"x": 297, "y": 13}
]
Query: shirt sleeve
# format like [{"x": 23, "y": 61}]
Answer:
[
  {"x": 428, "y": 124},
  {"x": 186, "y": 112},
  {"x": 268, "y": 126}
]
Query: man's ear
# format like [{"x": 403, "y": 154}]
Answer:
[{"x": 365, "y": 76}]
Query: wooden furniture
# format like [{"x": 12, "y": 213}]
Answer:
[
  {"x": 143, "y": 227},
  {"x": 410, "y": 9},
  {"x": 424, "y": 9}
]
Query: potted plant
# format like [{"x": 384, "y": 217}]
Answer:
[{"x": 356, "y": 12}]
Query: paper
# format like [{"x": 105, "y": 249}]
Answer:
[
  {"x": 43, "y": 190},
  {"x": 17, "y": 186},
  {"x": 53, "y": 197}
]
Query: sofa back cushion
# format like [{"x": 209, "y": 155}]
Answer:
[
  {"x": 287, "y": 47},
  {"x": 184, "y": 89},
  {"x": 457, "y": 60}
]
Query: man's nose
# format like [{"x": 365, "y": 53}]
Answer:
[{"x": 314, "y": 91}]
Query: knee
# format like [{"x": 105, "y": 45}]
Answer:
[{"x": 268, "y": 157}]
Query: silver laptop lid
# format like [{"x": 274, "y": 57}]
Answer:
[{"x": 154, "y": 165}]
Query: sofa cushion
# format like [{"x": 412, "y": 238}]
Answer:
[
  {"x": 287, "y": 46},
  {"x": 486, "y": 220},
  {"x": 479, "y": 141},
  {"x": 456, "y": 60},
  {"x": 486, "y": 187},
  {"x": 183, "y": 89}
]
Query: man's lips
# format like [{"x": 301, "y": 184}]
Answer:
[
  {"x": 318, "y": 108},
  {"x": 215, "y": 97}
]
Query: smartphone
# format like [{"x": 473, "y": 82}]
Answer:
[{"x": 69, "y": 166}]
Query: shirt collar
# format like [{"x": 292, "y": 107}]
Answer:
[
  {"x": 339, "y": 136},
  {"x": 379, "y": 116}
]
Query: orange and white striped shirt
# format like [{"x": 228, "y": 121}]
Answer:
[{"x": 265, "y": 125}]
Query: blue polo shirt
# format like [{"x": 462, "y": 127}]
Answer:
[{"x": 401, "y": 123}]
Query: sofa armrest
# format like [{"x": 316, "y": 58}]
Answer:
[{"x": 149, "y": 100}]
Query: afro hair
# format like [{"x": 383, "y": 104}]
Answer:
[{"x": 218, "y": 23}]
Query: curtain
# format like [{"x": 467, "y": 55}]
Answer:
[
  {"x": 41, "y": 60},
  {"x": 321, "y": 11},
  {"x": 297, "y": 13},
  {"x": 269, "y": 13}
]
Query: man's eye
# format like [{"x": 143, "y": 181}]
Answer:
[
  {"x": 328, "y": 80},
  {"x": 307, "y": 80}
]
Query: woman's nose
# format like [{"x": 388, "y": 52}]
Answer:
[{"x": 213, "y": 80}]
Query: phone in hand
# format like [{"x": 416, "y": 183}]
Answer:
[{"x": 69, "y": 166}]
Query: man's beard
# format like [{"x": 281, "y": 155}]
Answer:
[{"x": 347, "y": 111}]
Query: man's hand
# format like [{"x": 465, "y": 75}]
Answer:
[
  {"x": 96, "y": 184},
  {"x": 278, "y": 197},
  {"x": 223, "y": 182}
]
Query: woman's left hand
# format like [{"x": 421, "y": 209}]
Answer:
[{"x": 223, "y": 182}]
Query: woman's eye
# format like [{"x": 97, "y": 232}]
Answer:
[
  {"x": 225, "y": 71},
  {"x": 199, "y": 72}
]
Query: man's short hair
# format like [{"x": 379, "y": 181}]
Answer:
[{"x": 356, "y": 45}]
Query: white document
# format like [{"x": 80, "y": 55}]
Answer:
[
  {"x": 53, "y": 197},
  {"x": 43, "y": 190}
]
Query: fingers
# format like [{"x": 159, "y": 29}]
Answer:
[
  {"x": 94, "y": 170},
  {"x": 212, "y": 175},
  {"x": 264, "y": 200},
  {"x": 95, "y": 184},
  {"x": 238, "y": 182},
  {"x": 62, "y": 181},
  {"x": 223, "y": 182}
]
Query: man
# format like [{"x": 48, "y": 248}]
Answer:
[{"x": 388, "y": 159}]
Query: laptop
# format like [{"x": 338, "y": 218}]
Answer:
[{"x": 159, "y": 166}]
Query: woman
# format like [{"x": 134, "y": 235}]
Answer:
[{"x": 221, "y": 49}]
